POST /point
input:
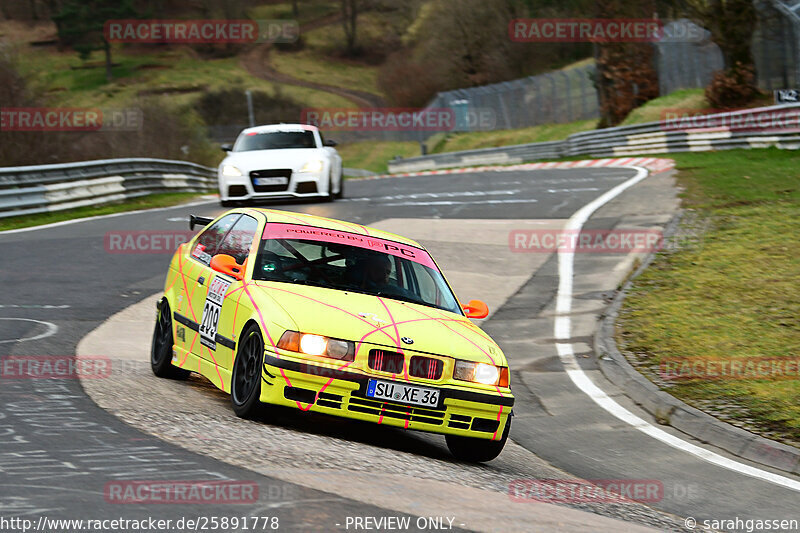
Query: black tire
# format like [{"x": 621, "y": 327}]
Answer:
[
  {"x": 246, "y": 375},
  {"x": 340, "y": 194},
  {"x": 330, "y": 196},
  {"x": 161, "y": 347},
  {"x": 475, "y": 450}
]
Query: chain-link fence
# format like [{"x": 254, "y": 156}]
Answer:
[
  {"x": 557, "y": 97},
  {"x": 570, "y": 95},
  {"x": 776, "y": 44},
  {"x": 566, "y": 96},
  {"x": 683, "y": 64}
]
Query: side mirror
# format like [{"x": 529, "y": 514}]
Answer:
[
  {"x": 226, "y": 264},
  {"x": 329, "y": 142},
  {"x": 476, "y": 309},
  {"x": 226, "y": 147}
]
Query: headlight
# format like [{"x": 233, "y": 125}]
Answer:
[
  {"x": 481, "y": 373},
  {"x": 309, "y": 344},
  {"x": 312, "y": 166},
  {"x": 313, "y": 344},
  {"x": 230, "y": 170}
]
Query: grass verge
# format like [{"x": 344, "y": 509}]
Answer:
[
  {"x": 176, "y": 74},
  {"x": 730, "y": 295},
  {"x": 375, "y": 155},
  {"x": 144, "y": 202},
  {"x": 308, "y": 11},
  {"x": 491, "y": 139},
  {"x": 307, "y": 65}
]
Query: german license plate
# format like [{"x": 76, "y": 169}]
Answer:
[
  {"x": 280, "y": 180},
  {"x": 402, "y": 393}
]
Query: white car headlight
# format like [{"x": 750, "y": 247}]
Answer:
[
  {"x": 313, "y": 344},
  {"x": 307, "y": 343},
  {"x": 230, "y": 170},
  {"x": 315, "y": 165}
]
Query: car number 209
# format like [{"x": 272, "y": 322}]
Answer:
[
  {"x": 402, "y": 393},
  {"x": 211, "y": 311}
]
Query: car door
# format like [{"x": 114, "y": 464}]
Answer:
[
  {"x": 222, "y": 317},
  {"x": 196, "y": 273}
]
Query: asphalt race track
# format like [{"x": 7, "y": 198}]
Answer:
[{"x": 59, "y": 450}]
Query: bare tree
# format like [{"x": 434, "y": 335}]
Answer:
[
  {"x": 350, "y": 10},
  {"x": 625, "y": 75},
  {"x": 81, "y": 26},
  {"x": 468, "y": 40},
  {"x": 732, "y": 24}
]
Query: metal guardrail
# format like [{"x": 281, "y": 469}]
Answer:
[
  {"x": 44, "y": 188},
  {"x": 640, "y": 139}
]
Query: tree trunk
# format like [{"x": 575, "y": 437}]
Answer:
[
  {"x": 295, "y": 9},
  {"x": 625, "y": 77},
  {"x": 107, "y": 50},
  {"x": 732, "y": 24},
  {"x": 349, "y": 24}
]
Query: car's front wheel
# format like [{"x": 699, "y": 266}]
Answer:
[
  {"x": 477, "y": 450},
  {"x": 246, "y": 377},
  {"x": 161, "y": 347},
  {"x": 330, "y": 196},
  {"x": 340, "y": 194}
]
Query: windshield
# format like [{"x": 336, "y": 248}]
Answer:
[
  {"x": 275, "y": 140},
  {"x": 367, "y": 266}
]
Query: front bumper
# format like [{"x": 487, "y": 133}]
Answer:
[
  {"x": 342, "y": 393},
  {"x": 300, "y": 185}
]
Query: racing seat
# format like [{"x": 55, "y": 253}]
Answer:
[{"x": 355, "y": 272}]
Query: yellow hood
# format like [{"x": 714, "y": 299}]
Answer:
[{"x": 382, "y": 321}]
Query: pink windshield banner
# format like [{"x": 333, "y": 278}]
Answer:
[{"x": 310, "y": 233}]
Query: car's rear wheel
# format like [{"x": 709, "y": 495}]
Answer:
[
  {"x": 161, "y": 347},
  {"x": 246, "y": 377},
  {"x": 477, "y": 450}
]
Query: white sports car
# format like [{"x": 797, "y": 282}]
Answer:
[{"x": 280, "y": 160}]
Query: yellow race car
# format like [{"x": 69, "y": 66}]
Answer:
[{"x": 333, "y": 317}]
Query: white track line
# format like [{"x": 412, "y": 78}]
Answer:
[
  {"x": 52, "y": 329},
  {"x": 562, "y": 330}
]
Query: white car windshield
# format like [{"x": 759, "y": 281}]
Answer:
[{"x": 275, "y": 140}]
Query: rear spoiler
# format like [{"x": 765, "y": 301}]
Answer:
[{"x": 195, "y": 220}]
